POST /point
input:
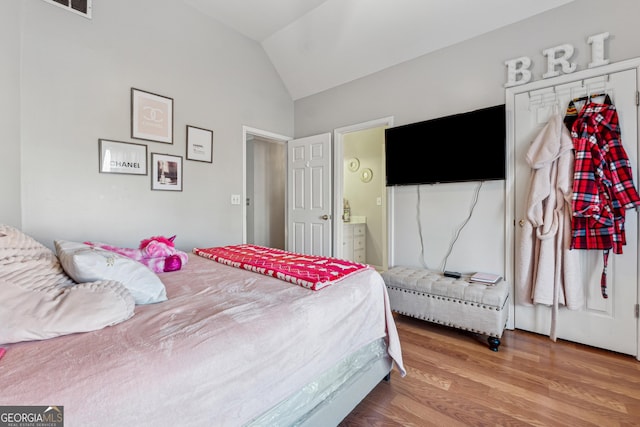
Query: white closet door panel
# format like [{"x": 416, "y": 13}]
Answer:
[{"x": 605, "y": 323}]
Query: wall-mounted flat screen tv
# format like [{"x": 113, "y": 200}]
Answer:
[{"x": 462, "y": 147}]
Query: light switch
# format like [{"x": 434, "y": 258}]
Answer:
[
  {"x": 235, "y": 199},
  {"x": 379, "y": 201}
]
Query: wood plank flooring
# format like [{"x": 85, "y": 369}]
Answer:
[{"x": 453, "y": 379}]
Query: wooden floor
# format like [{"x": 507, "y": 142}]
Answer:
[{"x": 453, "y": 379}]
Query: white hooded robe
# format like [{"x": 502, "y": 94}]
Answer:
[{"x": 548, "y": 270}]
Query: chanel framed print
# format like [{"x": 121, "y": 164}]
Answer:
[
  {"x": 199, "y": 144},
  {"x": 122, "y": 157},
  {"x": 151, "y": 116}
]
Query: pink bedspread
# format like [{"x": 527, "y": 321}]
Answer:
[
  {"x": 227, "y": 345},
  {"x": 309, "y": 271}
]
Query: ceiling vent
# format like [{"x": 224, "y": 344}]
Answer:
[{"x": 80, "y": 7}]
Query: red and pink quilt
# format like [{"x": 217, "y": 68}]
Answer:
[{"x": 310, "y": 271}]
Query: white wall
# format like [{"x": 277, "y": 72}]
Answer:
[
  {"x": 76, "y": 76},
  {"x": 460, "y": 78},
  {"x": 10, "y": 113}
]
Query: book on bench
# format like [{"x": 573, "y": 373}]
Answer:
[{"x": 488, "y": 278}]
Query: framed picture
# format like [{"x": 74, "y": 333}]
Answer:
[
  {"x": 199, "y": 144},
  {"x": 166, "y": 172},
  {"x": 151, "y": 116},
  {"x": 122, "y": 157}
]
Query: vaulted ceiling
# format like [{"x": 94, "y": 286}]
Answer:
[{"x": 319, "y": 44}]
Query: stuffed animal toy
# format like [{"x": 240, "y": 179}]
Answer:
[{"x": 158, "y": 253}]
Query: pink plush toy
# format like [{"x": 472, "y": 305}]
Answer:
[{"x": 158, "y": 253}]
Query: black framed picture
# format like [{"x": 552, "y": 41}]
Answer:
[
  {"x": 151, "y": 116},
  {"x": 166, "y": 172}
]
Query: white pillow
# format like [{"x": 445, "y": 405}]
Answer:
[
  {"x": 38, "y": 300},
  {"x": 46, "y": 312},
  {"x": 86, "y": 263}
]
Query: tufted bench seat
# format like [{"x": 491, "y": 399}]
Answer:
[{"x": 430, "y": 296}]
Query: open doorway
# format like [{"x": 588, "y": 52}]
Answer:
[
  {"x": 264, "y": 209},
  {"x": 360, "y": 181}
]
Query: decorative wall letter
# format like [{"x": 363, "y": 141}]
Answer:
[
  {"x": 518, "y": 72},
  {"x": 518, "y": 67},
  {"x": 597, "y": 49},
  {"x": 553, "y": 59}
]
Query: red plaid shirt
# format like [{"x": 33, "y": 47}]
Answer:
[{"x": 603, "y": 186}]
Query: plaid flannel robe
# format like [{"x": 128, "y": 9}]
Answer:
[{"x": 603, "y": 186}]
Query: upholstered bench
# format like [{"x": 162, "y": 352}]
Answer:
[{"x": 458, "y": 303}]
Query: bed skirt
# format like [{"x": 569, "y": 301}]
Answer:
[{"x": 331, "y": 392}]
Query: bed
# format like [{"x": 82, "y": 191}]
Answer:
[{"x": 227, "y": 347}]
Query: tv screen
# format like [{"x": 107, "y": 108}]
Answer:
[{"x": 462, "y": 147}]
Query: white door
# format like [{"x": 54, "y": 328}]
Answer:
[
  {"x": 605, "y": 323},
  {"x": 309, "y": 195}
]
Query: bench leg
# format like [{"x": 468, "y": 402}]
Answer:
[{"x": 494, "y": 343}]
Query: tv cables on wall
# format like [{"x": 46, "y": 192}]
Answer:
[{"x": 456, "y": 235}]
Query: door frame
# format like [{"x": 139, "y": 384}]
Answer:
[
  {"x": 246, "y": 131},
  {"x": 510, "y": 209},
  {"x": 338, "y": 185}
]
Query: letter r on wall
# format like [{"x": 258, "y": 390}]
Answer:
[{"x": 558, "y": 55}]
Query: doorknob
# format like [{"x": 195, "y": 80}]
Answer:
[
  {"x": 325, "y": 217},
  {"x": 521, "y": 223}
]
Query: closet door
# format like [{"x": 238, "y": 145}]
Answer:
[{"x": 605, "y": 323}]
